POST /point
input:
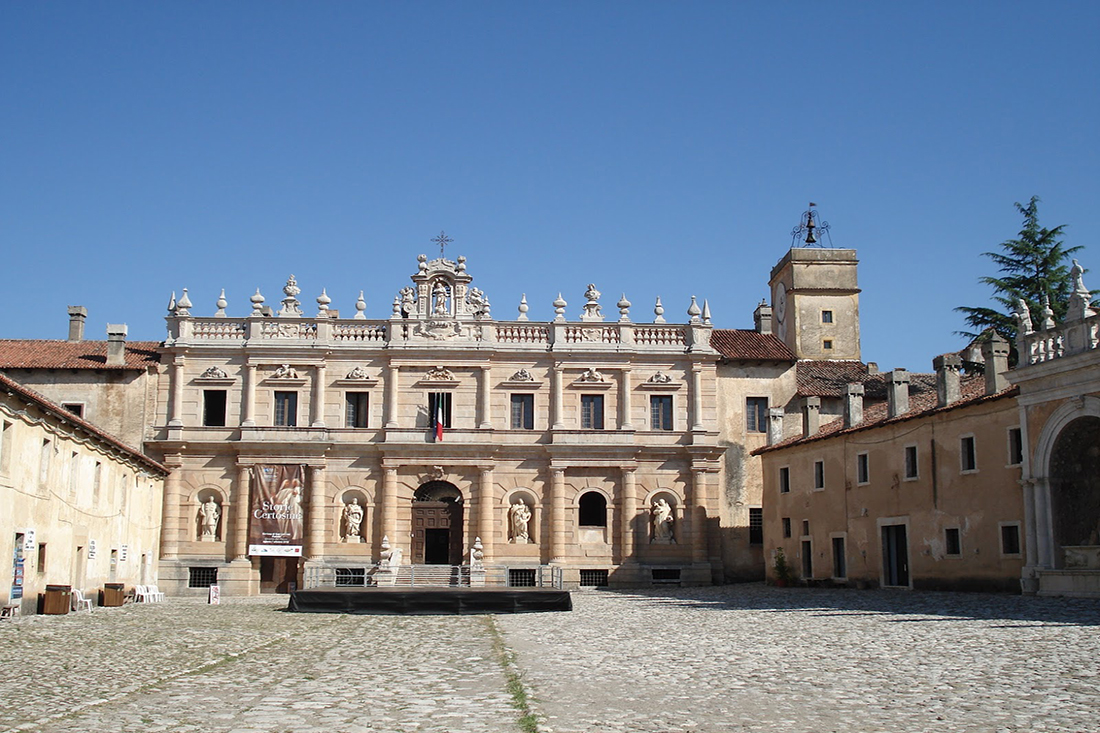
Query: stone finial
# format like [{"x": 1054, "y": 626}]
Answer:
[
  {"x": 477, "y": 554},
  {"x": 592, "y": 310},
  {"x": 1047, "y": 322},
  {"x": 762, "y": 317},
  {"x": 396, "y": 307},
  {"x": 292, "y": 307},
  {"x": 995, "y": 354},
  {"x": 116, "y": 344},
  {"x": 1080, "y": 299},
  {"x": 360, "y": 307},
  {"x": 693, "y": 310},
  {"x": 775, "y": 425},
  {"x": 323, "y": 302},
  {"x": 853, "y": 404},
  {"x": 658, "y": 311},
  {"x": 422, "y": 263},
  {"x": 897, "y": 392},
  {"x": 460, "y": 265},
  {"x": 183, "y": 305},
  {"x": 257, "y": 304},
  {"x": 811, "y": 416},
  {"x": 948, "y": 388},
  {"x": 624, "y": 309},
  {"x": 523, "y": 308},
  {"x": 172, "y": 303},
  {"x": 220, "y": 303},
  {"x": 706, "y": 312},
  {"x": 78, "y": 314},
  {"x": 559, "y": 308}
]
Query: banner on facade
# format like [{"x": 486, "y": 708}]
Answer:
[{"x": 277, "y": 526}]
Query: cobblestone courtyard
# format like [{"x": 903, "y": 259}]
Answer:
[{"x": 738, "y": 658}]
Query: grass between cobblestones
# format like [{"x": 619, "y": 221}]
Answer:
[{"x": 528, "y": 721}]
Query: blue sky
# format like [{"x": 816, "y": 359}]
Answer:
[{"x": 651, "y": 148}]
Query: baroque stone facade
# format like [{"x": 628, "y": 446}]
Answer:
[{"x": 434, "y": 424}]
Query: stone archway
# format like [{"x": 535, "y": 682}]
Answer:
[
  {"x": 437, "y": 524},
  {"x": 1074, "y": 475}
]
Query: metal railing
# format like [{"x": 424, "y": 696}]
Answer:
[{"x": 499, "y": 576}]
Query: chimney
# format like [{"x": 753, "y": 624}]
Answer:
[
  {"x": 811, "y": 415},
  {"x": 853, "y": 404},
  {"x": 116, "y": 344},
  {"x": 775, "y": 425},
  {"x": 77, "y": 315},
  {"x": 947, "y": 379},
  {"x": 872, "y": 367},
  {"x": 995, "y": 353},
  {"x": 897, "y": 392},
  {"x": 762, "y": 317}
]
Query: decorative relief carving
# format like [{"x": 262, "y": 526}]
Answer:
[
  {"x": 522, "y": 376},
  {"x": 214, "y": 373},
  {"x": 439, "y": 329},
  {"x": 285, "y": 371},
  {"x": 659, "y": 378},
  {"x": 439, "y": 374},
  {"x": 591, "y": 375},
  {"x": 436, "y": 473},
  {"x": 357, "y": 372}
]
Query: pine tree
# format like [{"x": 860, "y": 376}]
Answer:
[{"x": 1034, "y": 266}]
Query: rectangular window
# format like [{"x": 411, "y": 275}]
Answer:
[
  {"x": 805, "y": 527},
  {"x": 76, "y": 408},
  {"x": 952, "y": 542},
  {"x": 522, "y": 577},
  {"x": 660, "y": 412},
  {"x": 97, "y": 482},
  {"x": 355, "y": 409},
  {"x": 863, "y": 469},
  {"x": 967, "y": 455},
  {"x": 523, "y": 412},
  {"x": 44, "y": 465},
  {"x": 756, "y": 414},
  {"x": 784, "y": 480},
  {"x": 819, "y": 474},
  {"x": 593, "y": 578},
  {"x": 439, "y": 405},
  {"x": 786, "y": 526},
  {"x": 807, "y": 559},
  {"x": 5, "y": 447},
  {"x": 663, "y": 576},
  {"x": 840, "y": 563},
  {"x": 202, "y": 577},
  {"x": 1015, "y": 447},
  {"x": 351, "y": 577},
  {"x": 74, "y": 472},
  {"x": 756, "y": 525},
  {"x": 592, "y": 412},
  {"x": 41, "y": 558},
  {"x": 1010, "y": 539},
  {"x": 827, "y": 345},
  {"x": 213, "y": 407},
  {"x": 911, "y": 470},
  {"x": 826, "y": 316},
  {"x": 286, "y": 409}
]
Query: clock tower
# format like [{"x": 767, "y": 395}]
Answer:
[{"x": 815, "y": 301}]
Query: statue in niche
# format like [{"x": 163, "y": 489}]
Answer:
[
  {"x": 210, "y": 513},
  {"x": 661, "y": 516},
  {"x": 439, "y": 298},
  {"x": 519, "y": 515},
  {"x": 353, "y": 521},
  {"x": 408, "y": 298}
]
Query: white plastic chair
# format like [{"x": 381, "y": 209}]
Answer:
[
  {"x": 141, "y": 594},
  {"x": 155, "y": 593},
  {"x": 80, "y": 603}
]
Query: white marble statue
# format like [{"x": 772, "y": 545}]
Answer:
[
  {"x": 439, "y": 294},
  {"x": 661, "y": 516},
  {"x": 210, "y": 515},
  {"x": 353, "y": 521},
  {"x": 519, "y": 515}
]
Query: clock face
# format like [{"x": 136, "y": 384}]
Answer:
[{"x": 781, "y": 303}]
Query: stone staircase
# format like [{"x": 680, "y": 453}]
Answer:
[{"x": 429, "y": 575}]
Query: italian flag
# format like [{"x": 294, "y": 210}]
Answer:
[{"x": 439, "y": 421}]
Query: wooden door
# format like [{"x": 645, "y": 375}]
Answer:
[{"x": 437, "y": 533}]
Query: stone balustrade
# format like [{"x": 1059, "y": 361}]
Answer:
[{"x": 1070, "y": 338}]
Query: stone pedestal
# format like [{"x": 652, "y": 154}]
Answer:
[
  {"x": 385, "y": 577},
  {"x": 477, "y": 577}
]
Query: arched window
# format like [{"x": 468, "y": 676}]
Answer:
[{"x": 593, "y": 510}]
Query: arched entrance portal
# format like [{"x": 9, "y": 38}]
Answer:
[
  {"x": 437, "y": 524},
  {"x": 1075, "y": 488}
]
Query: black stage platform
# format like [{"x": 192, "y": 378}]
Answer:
[{"x": 429, "y": 601}]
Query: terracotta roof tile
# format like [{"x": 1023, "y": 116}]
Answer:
[
  {"x": 920, "y": 404},
  {"x": 829, "y": 378},
  {"x": 749, "y": 345},
  {"x": 29, "y": 395},
  {"x": 41, "y": 354}
]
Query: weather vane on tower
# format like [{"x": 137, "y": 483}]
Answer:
[{"x": 442, "y": 240}]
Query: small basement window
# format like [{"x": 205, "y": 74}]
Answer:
[
  {"x": 593, "y": 578},
  {"x": 351, "y": 577},
  {"x": 202, "y": 577},
  {"x": 522, "y": 577},
  {"x": 664, "y": 575}
]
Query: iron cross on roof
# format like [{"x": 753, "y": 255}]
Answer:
[{"x": 442, "y": 240}]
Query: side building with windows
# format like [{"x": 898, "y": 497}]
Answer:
[
  {"x": 81, "y": 508},
  {"x": 919, "y": 491},
  {"x": 323, "y": 441}
]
